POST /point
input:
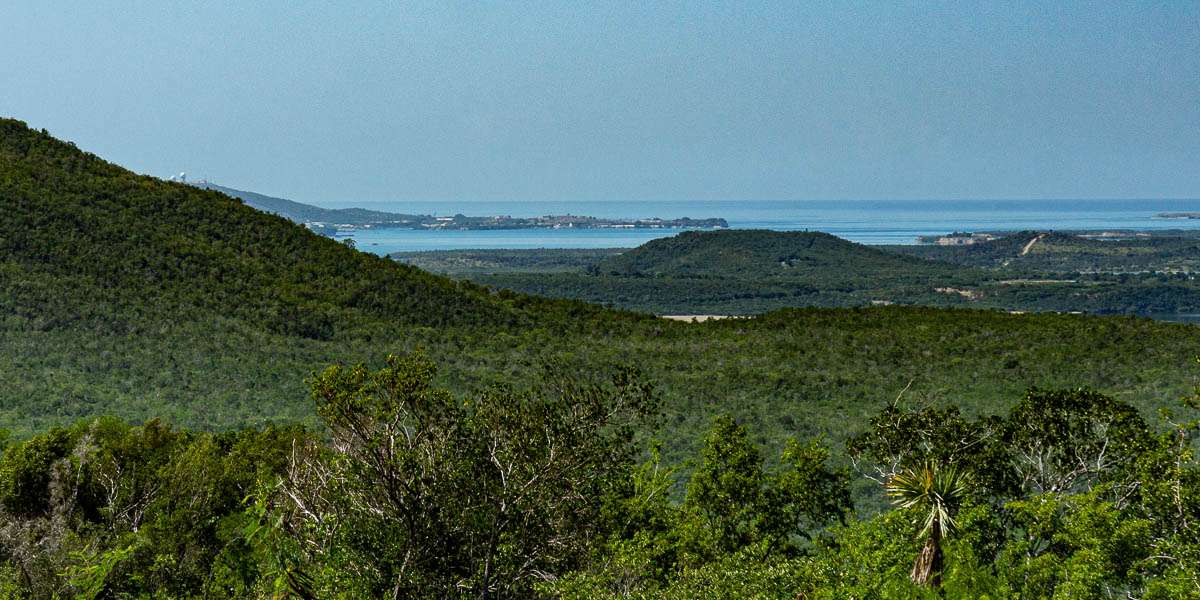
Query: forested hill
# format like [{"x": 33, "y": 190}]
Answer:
[
  {"x": 744, "y": 272},
  {"x": 85, "y": 240},
  {"x": 126, "y": 295},
  {"x": 745, "y": 253}
]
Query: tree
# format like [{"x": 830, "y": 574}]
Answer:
[
  {"x": 728, "y": 486},
  {"x": 1068, "y": 441},
  {"x": 425, "y": 495},
  {"x": 807, "y": 495},
  {"x": 743, "y": 505},
  {"x": 938, "y": 490},
  {"x": 922, "y": 434}
]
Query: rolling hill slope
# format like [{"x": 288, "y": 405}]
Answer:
[
  {"x": 745, "y": 272},
  {"x": 125, "y": 295},
  {"x": 131, "y": 241},
  {"x": 756, "y": 254},
  {"x": 133, "y": 296}
]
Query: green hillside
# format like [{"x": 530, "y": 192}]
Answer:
[
  {"x": 746, "y": 254},
  {"x": 127, "y": 295},
  {"x": 130, "y": 296},
  {"x": 508, "y": 466},
  {"x": 117, "y": 241},
  {"x": 539, "y": 260},
  {"x": 745, "y": 272}
]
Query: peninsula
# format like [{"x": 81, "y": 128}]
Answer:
[{"x": 330, "y": 221}]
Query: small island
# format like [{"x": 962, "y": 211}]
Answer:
[{"x": 1193, "y": 215}]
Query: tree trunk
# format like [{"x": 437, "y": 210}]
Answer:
[{"x": 927, "y": 569}]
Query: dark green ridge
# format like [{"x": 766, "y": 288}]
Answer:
[
  {"x": 745, "y": 253},
  {"x": 137, "y": 240},
  {"x": 126, "y": 294},
  {"x": 540, "y": 260},
  {"x": 745, "y": 272},
  {"x": 111, "y": 233}
]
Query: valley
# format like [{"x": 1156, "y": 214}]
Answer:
[
  {"x": 747, "y": 272},
  {"x": 186, "y": 351}
]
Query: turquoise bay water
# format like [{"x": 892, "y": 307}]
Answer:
[{"x": 867, "y": 222}]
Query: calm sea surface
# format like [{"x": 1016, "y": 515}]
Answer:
[{"x": 867, "y": 222}]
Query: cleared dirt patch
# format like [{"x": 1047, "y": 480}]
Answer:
[{"x": 969, "y": 294}]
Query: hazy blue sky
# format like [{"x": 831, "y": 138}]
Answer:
[{"x": 365, "y": 102}]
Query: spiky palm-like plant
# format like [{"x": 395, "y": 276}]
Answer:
[{"x": 940, "y": 490}]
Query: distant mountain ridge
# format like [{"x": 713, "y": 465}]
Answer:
[
  {"x": 331, "y": 220},
  {"x": 304, "y": 213}
]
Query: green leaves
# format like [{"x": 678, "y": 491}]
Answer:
[
  {"x": 92, "y": 570},
  {"x": 1077, "y": 546},
  {"x": 742, "y": 505},
  {"x": 27, "y": 470},
  {"x": 1071, "y": 440},
  {"x": 937, "y": 490},
  {"x": 728, "y": 486},
  {"x": 115, "y": 510},
  {"x": 429, "y": 495}
]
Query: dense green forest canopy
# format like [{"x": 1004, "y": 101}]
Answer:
[
  {"x": 753, "y": 254},
  {"x": 129, "y": 296},
  {"x": 746, "y": 272},
  {"x": 515, "y": 468},
  {"x": 537, "y": 491},
  {"x": 540, "y": 260}
]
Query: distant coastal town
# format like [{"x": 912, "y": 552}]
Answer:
[
  {"x": 463, "y": 222},
  {"x": 331, "y": 221},
  {"x": 1177, "y": 215},
  {"x": 966, "y": 238}
]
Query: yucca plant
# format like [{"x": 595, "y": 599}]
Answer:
[{"x": 939, "y": 490}]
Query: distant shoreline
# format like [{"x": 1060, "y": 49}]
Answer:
[
  {"x": 332, "y": 221},
  {"x": 465, "y": 223},
  {"x": 883, "y": 222},
  {"x": 966, "y": 238}
]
